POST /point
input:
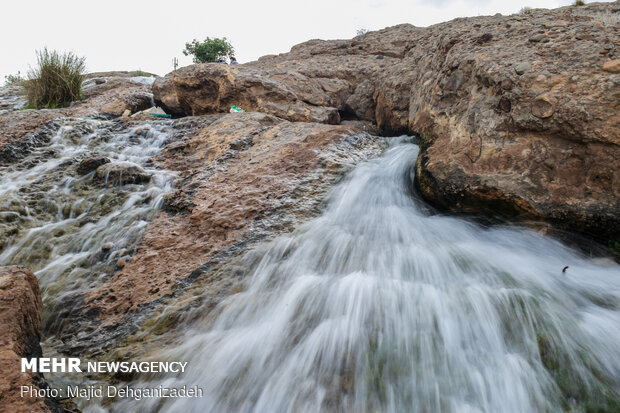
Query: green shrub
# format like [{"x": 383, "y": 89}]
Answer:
[
  {"x": 580, "y": 3},
  {"x": 211, "y": 50},
  {"x": 56, "y": 81},
  {"x": 13, "y": 79},
  {"x": 139, "y": 72},
  {"x": 525, "y": 10}
]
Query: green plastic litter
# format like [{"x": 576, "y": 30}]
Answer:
[{"x": 161, "y": 115}]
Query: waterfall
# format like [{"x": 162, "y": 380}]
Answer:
[
  {"x": 56, "y": 221},
  {"x": 381, "y": 305}
]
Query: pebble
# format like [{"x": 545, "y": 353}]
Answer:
[
  {"x": 487, "y": 37},
  {"x": 612, "y": 66},
  {"x": 543, "y": 106},
  {"x": 522, "y": 67},
  {"x": 506, "y": 84},
  {"x": 504, "y": 104},
  {"x": 107, "y": 246}
]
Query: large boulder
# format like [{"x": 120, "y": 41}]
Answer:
[
  {"x": 20, "y": 324},
  {"x": 212, "y": 88},
  {"x": 111, "y": 94},
  {"x": 133, "y": 102},
  {"x": 518, "y": 127}
]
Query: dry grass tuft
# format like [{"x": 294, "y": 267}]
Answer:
[{"x": 56, "y": 81}]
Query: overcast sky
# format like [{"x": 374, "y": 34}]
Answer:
[{"x": 147, "y": 35}]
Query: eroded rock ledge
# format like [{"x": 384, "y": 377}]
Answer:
[{"x": 519, "y": 114}]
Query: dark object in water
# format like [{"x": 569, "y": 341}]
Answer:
[{"x": 564, "y": 269}]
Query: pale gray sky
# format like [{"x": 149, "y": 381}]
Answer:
[{"x": 131, "y": 35}]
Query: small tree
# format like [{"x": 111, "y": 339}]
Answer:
[
  {"x": 210, "y": 50},
  {"x": 56, "y": 80}
]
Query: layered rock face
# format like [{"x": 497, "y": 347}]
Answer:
[
  {"x": 518, "y": 115},
  {"x": 20, "y": 324}
]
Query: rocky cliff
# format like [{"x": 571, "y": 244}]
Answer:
[{"x": 518, "y": 115}]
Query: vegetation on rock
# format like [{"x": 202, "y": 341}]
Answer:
[
  {"x": 56, "y": 81},
  {"x": 141, "y": 72},
  {"x": 13, "y": 79},
  {"x": 210, "y": 50}
]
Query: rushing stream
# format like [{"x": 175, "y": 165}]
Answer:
[
  {"x": 56, "y": 221},
  {"x": 379, "y": 305}
]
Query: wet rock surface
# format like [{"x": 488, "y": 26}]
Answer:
[
  {"x": 90, "y": 164},
  {"x": 20, "y": 323},
  {"x": 241, "y": 178},
  {"x": 71, "y": 226},
  {"x": 22, "y": 129},
  {"x": 517, "y": 110},
  {"x": 121, "y": 173},
  {"x": 11, "y": 98}
]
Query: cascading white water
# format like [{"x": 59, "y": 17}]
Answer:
[
  {"x": 380, "y": 306},
  {"x": 57, "y": 221}
]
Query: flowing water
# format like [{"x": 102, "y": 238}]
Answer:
[
  {"x": 379, "y": 305},
  {"x": 56, "y": 222}
]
